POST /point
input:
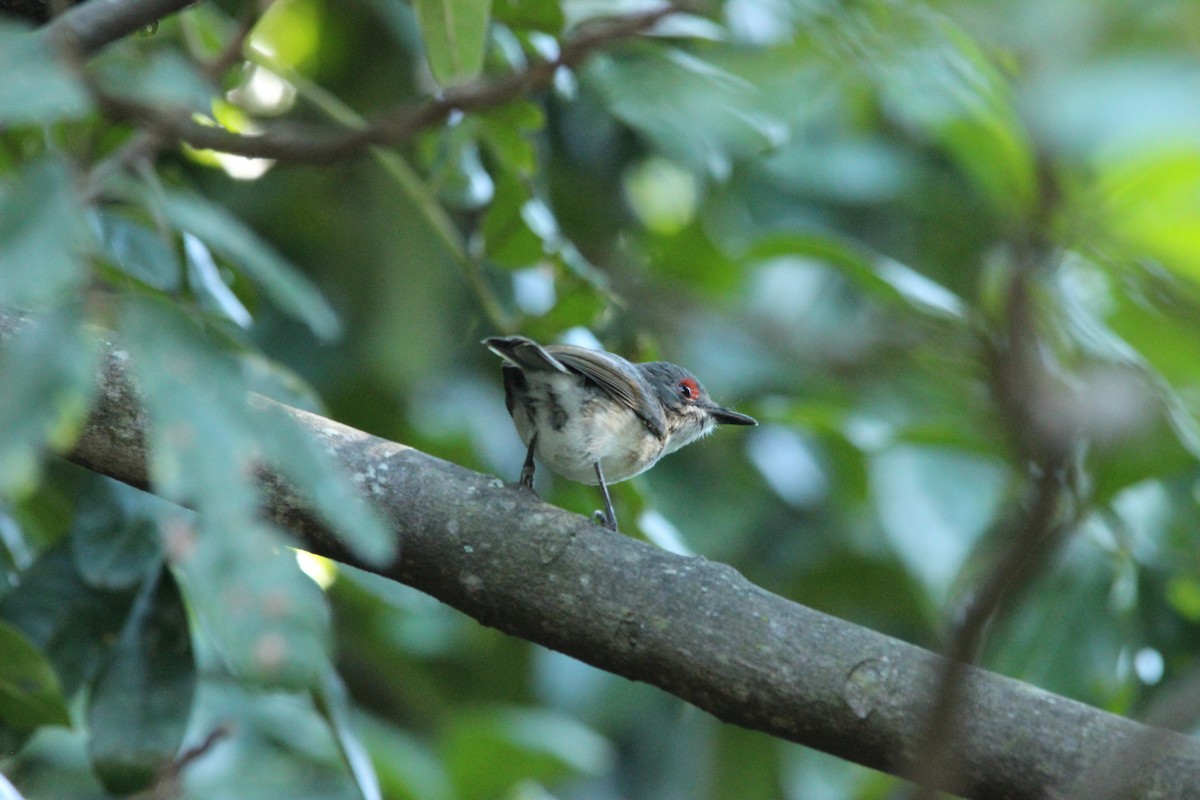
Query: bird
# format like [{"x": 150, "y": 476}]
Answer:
[{"x": 593, "y": 417}]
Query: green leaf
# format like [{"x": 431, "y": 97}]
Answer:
[
  {"x": 458, "y": 174},
  {"x": 47, "y": 371},
  {"x": 313, "y": 472},
  {"x": 227, "y": 235},
  {"x": 266, "y": 617},
  {"x": 164, "y": 79},
  {"x": 538, "y": 15},
  {"x": 114, "y": 546},
  {"x": 455, "y": 33},
  {"x": 488, "y": 753},
  {"x": 504, "y": 131},
  {"x": 29, "y": 692},
  {"x": 37, "y": 88},
  {"x": 139, "y": 705},
  {"x": 933, "y": 78},
  {"x": 333, "y": 702},
  {"x": 509, "y": 240},
  {"x": 931, "y": 523},
  {"x": 74, "y": 624},
  {"x": 43, "y": 231},
  {"x": 137, "y": 250},
  {"x": 1151, "y": 205},
  {"x": 693, "y": 110}
]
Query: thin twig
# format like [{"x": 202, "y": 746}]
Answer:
[
  {"x": 322, "y": 144},
  {"x": 234, "y": 51}
]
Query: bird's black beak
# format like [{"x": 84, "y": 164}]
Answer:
[{"x": 727, "y": 416}]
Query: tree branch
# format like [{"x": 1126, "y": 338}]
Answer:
[
  {"x": 89, "y": 26},
  {"x": 319, "y": 144},
  {"x": 692, "y": 627}
]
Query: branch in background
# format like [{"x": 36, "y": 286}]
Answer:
[
  {"x": 691, "y": 627},
  {"x": 88, "y": 27},
  {"x": 1049, "y": 513},
  {"x": 323, "y": 145}
]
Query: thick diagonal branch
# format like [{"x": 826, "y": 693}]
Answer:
[{"x": 692, "y": 627}]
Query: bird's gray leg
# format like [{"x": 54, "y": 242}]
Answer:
[
  {"x": 526, "y": 481},
  {"x": 609, "y": 517}
]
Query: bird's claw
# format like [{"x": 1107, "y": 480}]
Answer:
[{"x": 602, "y": 519}]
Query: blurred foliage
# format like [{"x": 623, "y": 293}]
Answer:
[{"x": 818, "y": 207}]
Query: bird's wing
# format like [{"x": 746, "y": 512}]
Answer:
[{"x": 606, "y": 372}]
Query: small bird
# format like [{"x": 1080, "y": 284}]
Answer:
[{"x": 595, "y": 418}]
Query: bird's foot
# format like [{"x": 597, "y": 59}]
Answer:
[{"x": 602, "y": 519}]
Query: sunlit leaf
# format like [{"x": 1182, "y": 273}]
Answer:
[
  {"x": 43, "y": 231},
  {"x": 1152, "y": 205},
  {"x": 139, "y": 706},
  {"x": 29, "y": 692},
  {"x": 47, "y": 371},
  {"x": 454, "y": 32},
  {"x": 37, "y": 87},
  {"x": 539, "y": 15},
  {"x": 289, "y": 31}
]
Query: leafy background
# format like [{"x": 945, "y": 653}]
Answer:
[{"x": 818, "y": 207}]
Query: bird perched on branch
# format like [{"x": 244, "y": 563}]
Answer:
[{"x": 593, "y": 417}]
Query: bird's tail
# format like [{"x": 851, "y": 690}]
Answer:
[{"x": 523, "y": 353}]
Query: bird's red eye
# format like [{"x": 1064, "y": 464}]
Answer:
[{"x": 688, "y": 389}]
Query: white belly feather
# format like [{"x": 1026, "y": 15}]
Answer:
[{"x": 578, "y": 426}]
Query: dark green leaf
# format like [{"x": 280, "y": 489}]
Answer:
[
  {"x": 454, "y": 32},
  {"x": 227, "y": 235},
  {"x": 334, "y": 704},
  {"x": 43, "y": 231},
  {"x": 36, "y": 88},
  {"x": 29, "y": 692},
  {"x": 72, "y": 622},
  {"x": 139, "y": 705},
  {"x": 114, "y": 546},
  {"x": 47, "y": 371}
]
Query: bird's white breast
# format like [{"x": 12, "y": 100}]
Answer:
[{"x": 578, "y": 425}]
